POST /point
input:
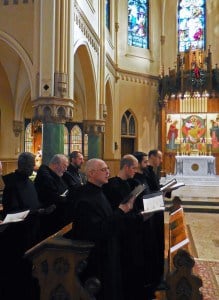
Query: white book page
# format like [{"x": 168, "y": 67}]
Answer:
[
  {"x": 153, "y": 203},
  {"x": 17, "y": 217}
]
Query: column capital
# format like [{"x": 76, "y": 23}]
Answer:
[
  {"x": 17, "y": 127},
  {"x": 94, "y": 126},
  {"x": 53, "y": 109}
]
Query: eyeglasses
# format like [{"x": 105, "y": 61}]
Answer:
[{"x": 102, "y": 169}]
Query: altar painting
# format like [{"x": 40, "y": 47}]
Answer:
[
  {"x": 173, "y": 131},
  {"x": 192, "y": 133},
  {"x": 213, "y": 132}
]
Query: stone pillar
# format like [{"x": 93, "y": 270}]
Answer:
[
  {"x": 53, "y": 101},
  {"x": 53, "y": 113},
  {"x": 103, "y": 108},
  {"x": 95, "y": 130}
]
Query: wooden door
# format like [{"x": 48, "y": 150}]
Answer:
[{"x": 127, "y": 146}]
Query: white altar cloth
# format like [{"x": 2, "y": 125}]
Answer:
[{"x": 195, "y": 165}]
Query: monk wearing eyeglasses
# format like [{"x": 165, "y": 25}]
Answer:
[{"x": 94, "y": 220}]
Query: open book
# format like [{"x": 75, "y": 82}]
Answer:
[
  {"x": 135, "y": 192},
  {"x": 153, "y": 202},
  {"x": 17, "y": 217},
  {"x": 171, "y": 185}
]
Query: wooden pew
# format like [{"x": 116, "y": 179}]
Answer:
[
  {"x": 181, "y": 282},
  {"x": 57, "y": 262}
]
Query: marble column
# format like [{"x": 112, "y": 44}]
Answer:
[
  {"x": 95, "y": 130},
  {"x": 53, "y": 113}
]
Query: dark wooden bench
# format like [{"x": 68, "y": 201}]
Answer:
[{"x": 182, "y": 283}]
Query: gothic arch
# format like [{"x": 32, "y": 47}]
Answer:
[
  {"x": 85, "y": 74},
  {"x": 131, "y": 116},
  {"x": 12, "y": 43}
]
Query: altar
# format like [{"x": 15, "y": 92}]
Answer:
[{"x": 202, "y": 165}]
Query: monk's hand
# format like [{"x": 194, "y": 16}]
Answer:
[{"x": 126, "y": 207}]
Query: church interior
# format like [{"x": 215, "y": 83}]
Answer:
[{"x": 108, "y": 78}]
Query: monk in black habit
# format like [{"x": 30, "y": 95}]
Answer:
[
  {"x": 157, "y": 221},
  {"x": 94, "y": 220}
]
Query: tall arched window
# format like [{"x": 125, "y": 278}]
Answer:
[
  {"x": 108, "y": 14},
  {"x": 28, "y": 137},
  {"x": 138, "y": 16},
  {"x": 191, "y": 25},
  {"x": 66, "y": 140},
  {"x": 76, "y": 139},
  {"x": 128, "y": 124}
]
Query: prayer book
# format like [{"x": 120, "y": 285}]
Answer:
[
  {"x": 171, "y": 185},
  {"x": 135, "y": 192},
  {"x": 17, "y": 217},
  {"x": 153, "y": 202}
]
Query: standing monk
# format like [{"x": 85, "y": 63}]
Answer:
[{"x": 94, "y": 220}]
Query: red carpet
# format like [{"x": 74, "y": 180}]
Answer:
[{"x": 208, "y": 270}]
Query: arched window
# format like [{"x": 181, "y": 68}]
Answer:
[
  {"x": 128, "y": 124},
  {"x": 108, "y": 14},
  {"x": 138, "y": 28},
  {"x": 28, "y": 137},
  {"x": 76, "y": 139},
  {"x": 191, "y": 25},
  {"x": 66, "y": 140},
  {"x": 128, "y": 133}
]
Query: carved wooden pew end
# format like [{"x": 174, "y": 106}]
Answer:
[
  {"x": 182, "y": 283},
  {"x": 57, "y": 261}
]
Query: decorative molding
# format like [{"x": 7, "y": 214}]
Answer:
[
  {"x": 61, "y": 85},
  {"x": 94, "y": 126},
  {"x": 86, "y": 27},
  {"x": 17, "y": 2},
  {"x": 17, "y": 127},
  {"x": 61, "y": 266},
  {"x": 137, "y": 77},
  {"x": 53, "y": 110}
]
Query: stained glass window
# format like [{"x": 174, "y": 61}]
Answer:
[
  {"x": 138, "y": 15},
  {"x": 66, "y": 140},
  {"x": 76, "y": 139},
  {"x": 191, "y": 25},
  {"x": 108, "y": 14},
  {"x": 28, "y": 138}
]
